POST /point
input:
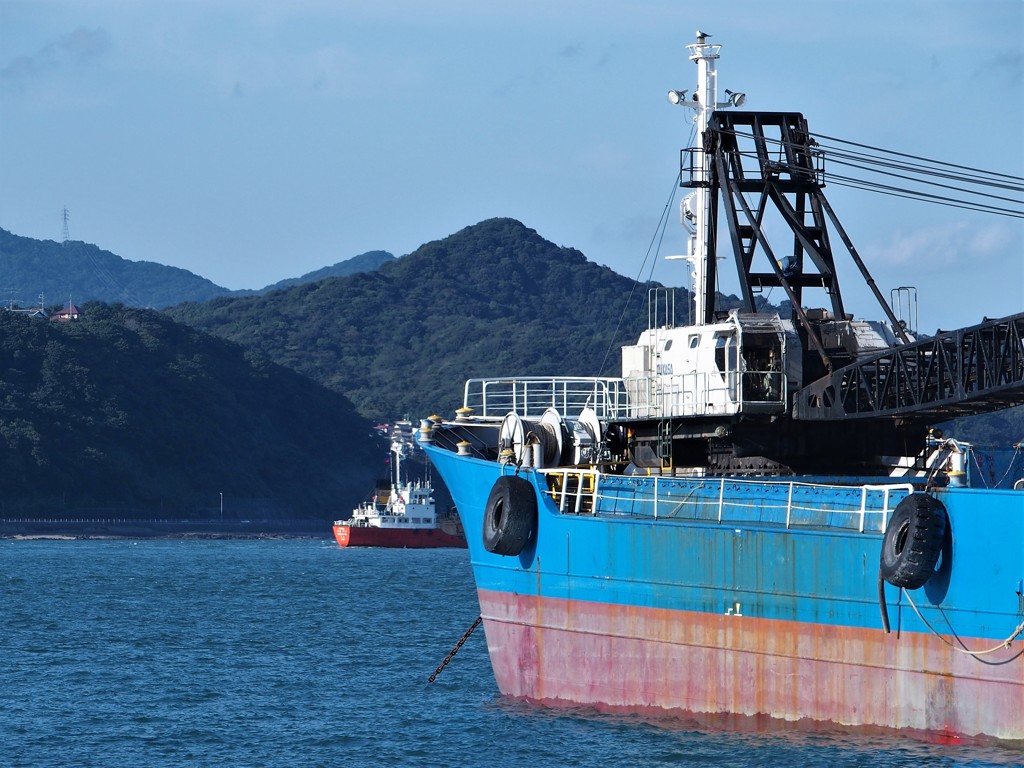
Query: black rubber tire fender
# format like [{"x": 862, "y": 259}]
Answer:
[
  {"x": 913, "y": 541},
  {"x": 510, "y": 516}
]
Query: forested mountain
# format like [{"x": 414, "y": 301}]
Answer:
[
  {"x": 364, "y": 262},
  {"x": 493, "y": 299},
  {"x": 126, "y": 408},
  {"x": 79, "y": 272}
]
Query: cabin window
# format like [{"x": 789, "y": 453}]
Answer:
[
  {"x": 668, "y": 345},
  {"x": 720, "y": 353},
  {"x": 694, "y": 341}
]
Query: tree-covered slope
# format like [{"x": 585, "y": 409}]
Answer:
[
  {"x": 364, "y": 262},
  {"x": 493, "y": 299},
  {"x": 80, "y": 272},
  {"x": 127, "y": 408}
]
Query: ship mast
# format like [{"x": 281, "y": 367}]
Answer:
[
  {"x": 707, "y": 86},
  {"x": 398, "y": 450},
  {"x": 695, "y": 213}
]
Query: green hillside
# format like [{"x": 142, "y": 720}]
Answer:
[
  {"x": 493, "y": 299},
  {"x": 126, "y": 408},
  {"x": 80, "y": 272}
]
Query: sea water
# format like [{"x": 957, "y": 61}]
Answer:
[{"x": 292, "y": 652}]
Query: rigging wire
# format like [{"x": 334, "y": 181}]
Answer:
[
  {"x": 659, "y": 235},
  {"x": 836, "y": 155},
  {"x": 986, "y": 177},
  {"x": 912, "y": 172},
  {"x": 870, "y": 186},
  {"x": 933, "y": 183},
  {"x": 915, "y": 157}
]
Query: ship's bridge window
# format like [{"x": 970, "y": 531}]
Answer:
[{"x": 725, "y": 353}]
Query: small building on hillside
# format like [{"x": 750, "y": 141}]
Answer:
[{"x": 70, "y": 312}]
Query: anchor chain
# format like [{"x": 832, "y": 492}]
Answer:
[{"x": 455, "y": 650}]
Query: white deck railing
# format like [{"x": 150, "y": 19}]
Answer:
[
  {"x": 530, "y": 396},
  {"x": 725, "y": 500},
  {"x": 693, "y": 394}
]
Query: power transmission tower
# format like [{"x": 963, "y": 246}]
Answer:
[{"x": 64, "y": 233}]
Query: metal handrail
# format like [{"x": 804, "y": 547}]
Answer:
[
  {"x": 578, "y": 489},
  {"x": 530, "y": 396},
  {"x": 705, "y": 394}
]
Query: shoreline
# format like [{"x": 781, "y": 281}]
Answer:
[
  {"x": 162, "y": 529},
  {"x": 163, "y": 536}
]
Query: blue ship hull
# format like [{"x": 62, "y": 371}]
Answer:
[{"x": 750, "y": 597}]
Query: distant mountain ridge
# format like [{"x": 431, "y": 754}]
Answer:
[
  {"x": 78, "y": 272},
  {"x": 364, "y": 262}
]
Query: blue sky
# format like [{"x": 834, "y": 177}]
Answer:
[{"x": 254, "y": 141}]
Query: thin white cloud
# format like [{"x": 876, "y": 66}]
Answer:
[
  {"x": 950, "y": 245},
  {"x": 78, "y": 48},
  {"x": 1009, "y": 64}
]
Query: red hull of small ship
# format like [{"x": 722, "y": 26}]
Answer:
[{"x": 423, "y": 538}]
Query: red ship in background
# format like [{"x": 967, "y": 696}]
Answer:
[{"x": 400, "y": 514}]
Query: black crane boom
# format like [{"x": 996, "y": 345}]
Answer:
[{"x": 954, "y": 373}]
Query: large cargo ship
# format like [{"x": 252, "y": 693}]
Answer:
[
  {"x": 402, "y": 514},
  {"x": 757, "y": 518}
]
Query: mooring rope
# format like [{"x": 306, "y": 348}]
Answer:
[
  {"x": 1000, "y": 646},
  {"x": 981, "y": 472}
]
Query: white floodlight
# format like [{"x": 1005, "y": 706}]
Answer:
[
  {"x": 735, "y": 98},
  {"x": 677, "y": 96}
]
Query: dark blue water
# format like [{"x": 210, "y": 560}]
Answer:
[{"x": 299, "y": 653}]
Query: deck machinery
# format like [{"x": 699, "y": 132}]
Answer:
[
  {"x": 745, "y": 392},
  {"x": 748, "y": 392}
]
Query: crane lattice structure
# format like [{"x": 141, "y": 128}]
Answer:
[{"x": 769, "y": 161}]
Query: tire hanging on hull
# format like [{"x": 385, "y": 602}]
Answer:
[
  {"x": 510, "y": 516},
  {"x": 913, "y": 541}
]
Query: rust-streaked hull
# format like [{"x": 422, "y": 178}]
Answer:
[{"x": 658, "y": 662}]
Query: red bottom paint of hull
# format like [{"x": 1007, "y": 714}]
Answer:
[
  {"x": 423, "y": 538},
  {"x": 657, "y": 662}
]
